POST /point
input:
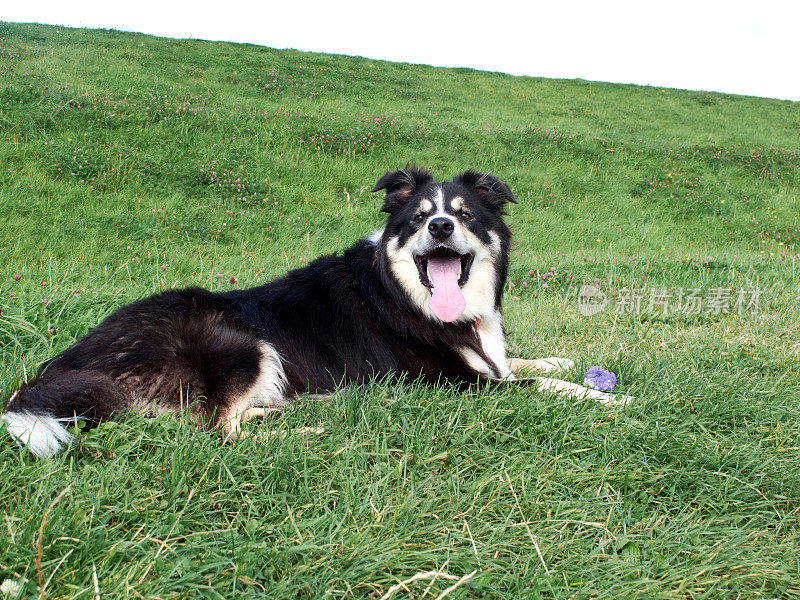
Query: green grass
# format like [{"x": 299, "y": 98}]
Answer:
[{"x": 131, "y": 164}]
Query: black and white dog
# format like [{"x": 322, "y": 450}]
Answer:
[{"x": 420, "y": 297}]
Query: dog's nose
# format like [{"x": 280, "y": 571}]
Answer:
[{"x": 441, "y": 228}]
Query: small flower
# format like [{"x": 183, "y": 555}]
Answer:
[
  {"x": 16, "y": 278},
  {"x": 44, "y": 283},
  {"x": 600, "y": 379},
  {"x": 163, "y": 267},
  {"x": 51, "y": 331},
  {"x": 9, "y": 588},
  {"x": 232, "y": 280},
  {"x": 45, "y": 301}
]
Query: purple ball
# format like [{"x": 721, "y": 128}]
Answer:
[{"x": 600, "y": 379}]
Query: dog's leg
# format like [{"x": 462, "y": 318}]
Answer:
[
  {"x": 233, "y": 428},
  {"x": 264, "y": 397},
  {"x": 551, "y": 364},
  {"x": 572, "y": 390},
  {"x": 323, "y": 396}
]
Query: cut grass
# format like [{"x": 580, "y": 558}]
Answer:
[{"x": 131, "y": 164}]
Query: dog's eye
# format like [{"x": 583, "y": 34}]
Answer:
[
  {"x": 465, "y": 215},
  {"x": 418, "y": 218}
]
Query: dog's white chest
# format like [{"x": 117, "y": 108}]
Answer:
[{"x": 493, "y": 341}]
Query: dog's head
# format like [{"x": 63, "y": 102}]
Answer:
[{"x": 446, "y": 244}]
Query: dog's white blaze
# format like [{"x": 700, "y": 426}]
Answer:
[
  {"x": 457, "y": 238},
  {"x": 267, "y": 392},
  {"x": 438, "y": 200},
  {"x": 41, "y": 434},
  {"x": 493, "y": 340}
]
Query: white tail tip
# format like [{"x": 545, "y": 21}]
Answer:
[{"x": 41, "y": 434}]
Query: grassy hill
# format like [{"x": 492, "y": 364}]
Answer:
[{"x": 131, "y": 164}]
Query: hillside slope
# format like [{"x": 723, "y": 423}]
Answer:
[
  {"x": 131, "y": 164},
  {"x": 136, "y": 116}
]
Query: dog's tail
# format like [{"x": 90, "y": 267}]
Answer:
[{"x": 37, "y": 415}]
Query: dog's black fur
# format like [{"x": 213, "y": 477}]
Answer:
[{"x": 342, "y": 319}]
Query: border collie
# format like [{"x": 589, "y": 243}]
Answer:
[{"x": 419, "y": 298}]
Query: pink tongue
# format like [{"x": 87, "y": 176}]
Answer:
[{"x": 447, "y": 301}]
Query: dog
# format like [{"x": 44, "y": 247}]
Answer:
[{"x": 420, "y": 298}]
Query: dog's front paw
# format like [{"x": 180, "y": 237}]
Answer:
[
  {"x": 551, "y": 364},
  {"x": 573, "y": 390}
]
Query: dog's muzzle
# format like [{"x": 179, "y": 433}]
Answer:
[{"x": 441, "y": 228}]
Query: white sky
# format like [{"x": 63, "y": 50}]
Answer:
[{"x": 750, "y": 47}]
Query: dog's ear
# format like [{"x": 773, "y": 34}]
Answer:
[
  {"x": 400, "y": 185},
  {"x": 488, "y": 188}
]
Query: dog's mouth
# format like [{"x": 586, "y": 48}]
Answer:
[
  {"x": 444, "y": 259},
  {"x": 444, "y": 271}
]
